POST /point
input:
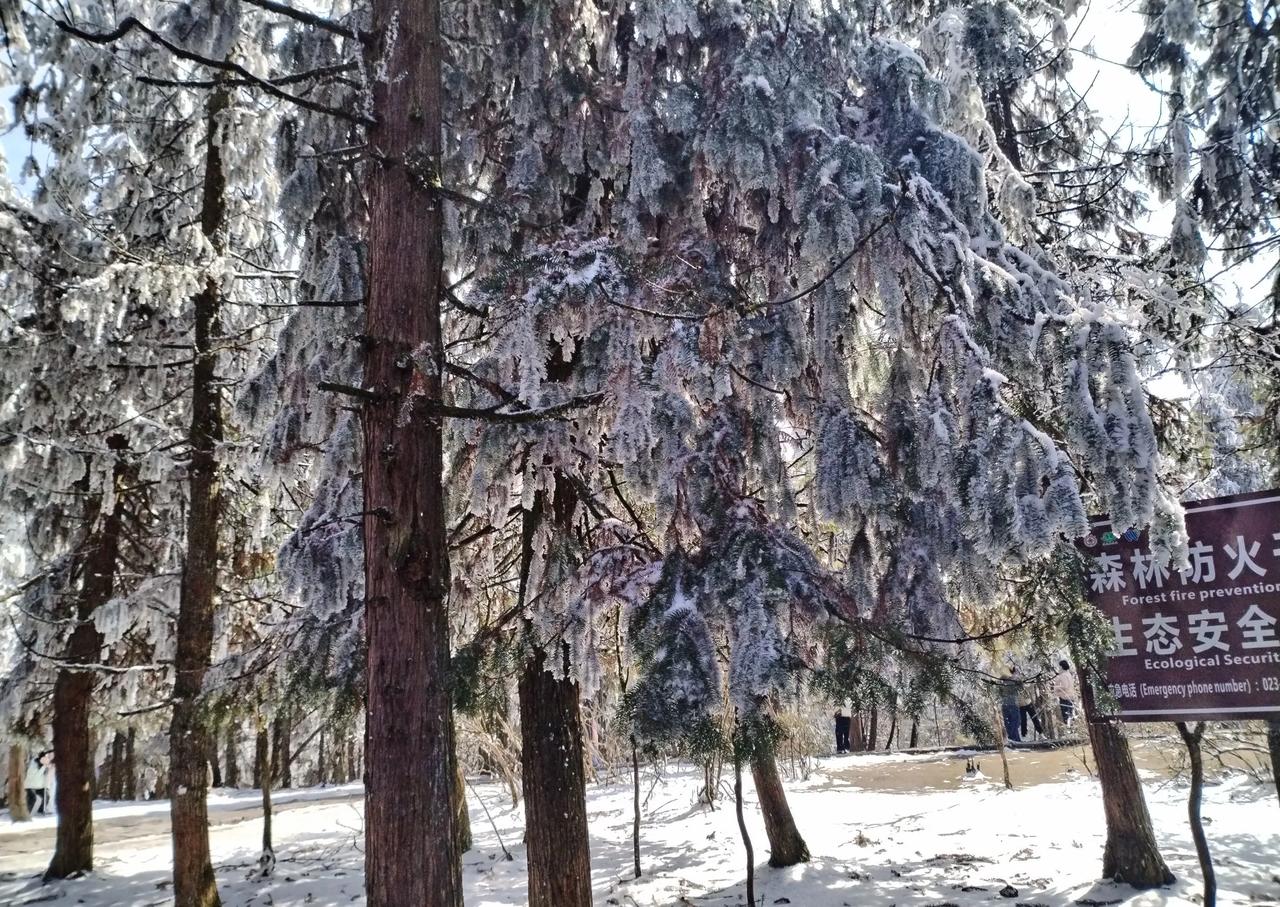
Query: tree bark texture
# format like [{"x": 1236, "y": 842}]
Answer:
[
  {"x": 267, "y": 848},
  {"x": 189, "y": 744},
  {"x": 635, "y": 805},
  {"x": 73, "y": 690},
  {"x": 215, "y": 768},
  {"x": 232, "y": 755},
  {"x": 115, "y": 768},
  {"x": 462, "y": 817},
  {"x": 1192, "y": 740},
  {"x": 15, "y": 792},
  {"x": 261, "y": 758},
  {"x": 1131, "y": 854},
  {"x": 282, "y": 751},
  {"x": 129, "y": 789},
  {"x": 742, "y": 829},
  {"x": 551, "y": 748},
  {"x": 554, "y": 785},
  {"x": 786, "y": 846},
  {"x": 411, "y": 855}
]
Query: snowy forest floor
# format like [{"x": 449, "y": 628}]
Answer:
[{"x": 883, "y": 830}]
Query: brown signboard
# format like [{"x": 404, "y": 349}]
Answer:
[{"x": 1199, "y": 640}]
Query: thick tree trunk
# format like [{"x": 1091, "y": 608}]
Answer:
[
  {"x": 551, "y": 748},
  {"x": 73, "y": 690},
  {"x": 873, "y": 730},
  {"x": 411, "y": 855},
  {"x": 193, "y": 880},
  {"x": 232, "y": 752},
  {"x": 15, "y": 793},
  {"x": 129, "y": 790},
  {"x": 786, "y": 847},
  {"x": 914, "y": 737},
  {"x": 1131, "y": 854},
  {"x": 554, "y": 789},
  {"x": 72, "y": 694}
]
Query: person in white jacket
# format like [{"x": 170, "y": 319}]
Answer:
[
  {"x": 37, "y": 782},
  {"x": 1064, "y": 687}
]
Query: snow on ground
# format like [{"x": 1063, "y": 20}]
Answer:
[
  {"x": 113, "y": 809},
  {"x": 955, "y": 844}
]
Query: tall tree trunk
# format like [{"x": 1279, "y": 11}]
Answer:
[
  {"x": 742, "y": 826},
  {"x": 268, "y": 851},
  {"x": 551, "y": 750},
  {"x": 282, "y": 751},
  {"x": 115, "y": 777},
  {"x": 1131, "y": 854},
  {"x": 215, "y": 769},
  {"x": 261, "y": 757},
  {"x": 786, "y": 847},
  {"x": 411, "y": 854},
  {"x": 462, "y": 818},
  {"x": 1192, "y": 740},
  {"x": 267, "y": 860},
  {"x": 1002, "y": 744},
  {"x": 232, "y": 752},
  {"x": 873, "y": 730},
  {"x": 15, "y": 792},
  {"x": 635, "y": 805},
  {"x": 129, "y": 789},
  {"x": 193, "y": 880},
  {"x": 914, "y": 738},
  {"x": 554, "y": 785},
  {"x": 73, "y": 690}
]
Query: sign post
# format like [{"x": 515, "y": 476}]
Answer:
[{"x": 1199, "y": 641}]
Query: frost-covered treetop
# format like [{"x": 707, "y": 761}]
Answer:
[{"x": 687, "y": 219}]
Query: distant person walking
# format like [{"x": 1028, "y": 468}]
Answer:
[
  {"x": 37, "y": 782},
  {"x": 1027, "y": 709},
  {"x": 1010, "y": 688},
  {"x": 1064, "y": 688},
  {"x": 843, "y": 724}
]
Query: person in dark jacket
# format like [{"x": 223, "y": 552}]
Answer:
[
  {"x": 1010, "y": 690},
  {"x": 842, "y": 732}
]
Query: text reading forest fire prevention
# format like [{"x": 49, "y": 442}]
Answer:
[{"x": 1200, "y": 639}]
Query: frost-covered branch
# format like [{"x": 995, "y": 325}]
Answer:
[{"x": 130, "y": 23}]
